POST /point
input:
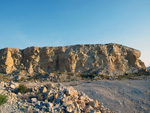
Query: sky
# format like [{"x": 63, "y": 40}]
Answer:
[{"x": 25, "y": 23}]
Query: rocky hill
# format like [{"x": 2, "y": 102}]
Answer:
[{"x": 109, "y": 59}]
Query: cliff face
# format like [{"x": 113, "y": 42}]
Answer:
[{"x": 109, "y": 59}]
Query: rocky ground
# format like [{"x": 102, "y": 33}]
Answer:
[
  {"x": 121, "y": 96},
  {"x": 48, "y": 97}
]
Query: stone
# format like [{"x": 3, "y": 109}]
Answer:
[
  {"x": 49, "y": 109},
  {"x": 17, "y": 77},
  {"x": 44, "y": 108},
  {"x": 51, "y": 74},
  {"x": 38, "y": 103},
  {"x": 96, "y": 104},
  {"x": 50, "y": 104},
  {"x": 94, "y": 111},
  {"x": 60, "y": 98},
  {"x": 36, "y": 89},
  {"x": 13, "y": 85},
  {"x": 70, "y": 91},
  {"x": 3, "y": 84},
  {"x": 50, "y": 92},
  {"x": 92, "y": 103},
  {"x": 69, "y": 108},
  {"x": 47, "y": 104},
  {"x": 44, "y": 90},
  {"x": 82, "y": 98},
  {"x": 76, "y": 110},
  {"x": 19, "y": 94},
  {"x": 33, "y": 99},
  {"x": 29, "y": 108},
  {"x": 51, "y": 98},
  {"x": 88, "y": 109},
  {"x": 48, "y": 86}
]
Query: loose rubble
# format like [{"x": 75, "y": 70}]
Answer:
[{"x": 53, "y": 98}]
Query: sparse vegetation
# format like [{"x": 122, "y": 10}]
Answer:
[
  {"x": 132, "y": 76},
  {"x": 3, "y": 77},
  {"x": 57, "y": 72},
  {"x": 69, "y": 73},
  {"x": 104, "y": 76},
  {"x": 87, "y": 76},
  {"x": 22, "y": 88},
  {"x": 3, "y": 99},
  {"x": 46, "y": 99},
  {"x": 36, "y": 76},
  {"x": 23, "y": 79},
  {"x": 25, "y": 97},
  {"x": 36, "y": 92},
  {"x": 68, "y": 76}
]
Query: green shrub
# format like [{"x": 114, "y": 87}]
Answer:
[
  {"x": 46, "y": 99},
  {"x": 87, "y": 76},
  {"x": 69, "y": 73},
  {"x": 36, "y": 92},
  {"x": 34, "y": 77},
  {"x": 104, "y": 76},
  {"x": 3, "y": 99},
  {"x": 22, "y": 88}
]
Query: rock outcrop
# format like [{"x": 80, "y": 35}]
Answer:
[{"x": 103, "y": 59}]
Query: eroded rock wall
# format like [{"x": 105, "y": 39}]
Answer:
[{"x": 109, "y": 59}]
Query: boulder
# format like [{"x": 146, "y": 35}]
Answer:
[
  {"x": 70, "y": 91},
  {"x": 88, "y": 109},
  {"x": 33, "y": 100},
  {"x": 69, "y": 108},
  {"x": 44, "y": 90},
  {"x": 13, "y": 85}
]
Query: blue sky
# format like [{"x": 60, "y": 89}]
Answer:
[{"x": 25, "y": 23}]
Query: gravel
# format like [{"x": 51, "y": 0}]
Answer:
[{"x": 121, "y": 96}]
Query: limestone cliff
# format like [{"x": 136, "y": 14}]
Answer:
[{"x": 108, "y": 59}]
